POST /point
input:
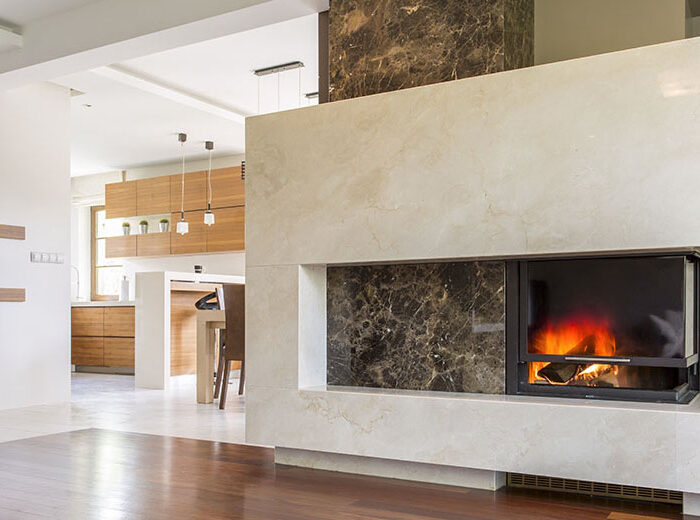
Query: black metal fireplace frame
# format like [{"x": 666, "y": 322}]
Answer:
[{"x": 517, "y": 357}]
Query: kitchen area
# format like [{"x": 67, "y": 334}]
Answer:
[{"x": 151, "y": 256}]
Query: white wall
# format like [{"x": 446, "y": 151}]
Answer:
[
  {"x": 88, "y": 190},
  {"x": 34, "y": 174},
  {"x": 566, "y": 29}
]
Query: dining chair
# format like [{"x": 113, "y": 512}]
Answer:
[{"x": 234, "y": 340}]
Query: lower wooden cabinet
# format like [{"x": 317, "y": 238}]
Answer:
[
  {"x": 119, "y": 352},
  {"x": 87, "y": 350},
  {"x": 103, "y": 336}
]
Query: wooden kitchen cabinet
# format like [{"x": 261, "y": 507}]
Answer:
[
  {"x": 195, "y": 241},
  {"x": 119, "y": 247},
  {"x": 103, "y": 336},
  {"x": 228, "y": 232},
  {"x": 120, "y": 199},
  {"x": 153, "y": 196},
  {"x": 195, "y": 191},
  {"x": 87, "y": 321},
  {"x": 153, "y": 244},
  {"x": 87, "y": 350},
  {"x": 228, "y": 188},
  {"x": 118, "y": 352},
  {"x": 119, "y": 321}
]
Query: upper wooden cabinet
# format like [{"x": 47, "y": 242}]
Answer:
[
  {"x": 153, "y": 244},
  {"x": 195, "y": 240},
  {"x": 153, "y": 196},
  {"x": 120, "y": 247},
  {"x": 195, "y": 191},
  {"x": 227, "y": 187},
  {"x": 87, "y": 321},
  {"x": 120, "y": 199},
  {"x": 228, "y": 232}
]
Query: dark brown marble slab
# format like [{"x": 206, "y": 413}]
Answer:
[
  {"x": 383, "y": 45},
  {"x": 429, "y": 326},
  {"x": 519, "y": 34}
]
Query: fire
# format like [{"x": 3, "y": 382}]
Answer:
[{"x": 575, "y": 337}]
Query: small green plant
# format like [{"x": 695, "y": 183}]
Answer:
[
  {"x": 126, "y": 224},
  {"x": 164, "y": 221},
  {"x": 143, "y": 223}
]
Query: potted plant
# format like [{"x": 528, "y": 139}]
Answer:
[
  {"x": 164, "y": 225},
  {"x": 126, "y": 228},
  {"x": 143, "y": 227}
]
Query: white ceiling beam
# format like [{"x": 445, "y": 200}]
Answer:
[
  {"x": 132, "y": 79},
  {"x": 110, "y": 31},
  {"x": 9, "y": 40}
]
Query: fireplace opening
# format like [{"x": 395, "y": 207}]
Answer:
[{"x": 611, "y": 328}]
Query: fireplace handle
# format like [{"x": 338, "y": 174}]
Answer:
[{"x": 604, "y": 360}]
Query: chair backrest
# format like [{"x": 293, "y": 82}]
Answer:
[{"x": 234, "y": 308}]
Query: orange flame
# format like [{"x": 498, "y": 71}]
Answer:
[{"x": 584, "y": 336}]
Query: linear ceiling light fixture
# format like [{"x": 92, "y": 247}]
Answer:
[
  {"x": 276, "y": 69},
  {"x": 182, "y": 226},
  {"x": 208, "y": 215}
]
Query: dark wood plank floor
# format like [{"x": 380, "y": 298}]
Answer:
[{"x": 91, "y": 474}]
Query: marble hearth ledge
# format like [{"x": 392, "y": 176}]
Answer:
[{"x": 641, "y": 444}]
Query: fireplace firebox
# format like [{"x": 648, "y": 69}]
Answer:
[{"x": 608, "y": 327}]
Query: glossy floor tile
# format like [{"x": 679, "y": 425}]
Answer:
[{"x": 112, "y": 402}]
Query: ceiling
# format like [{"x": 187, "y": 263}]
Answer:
[
  {"x": 21, "y": 12},
  {"x": 202, "y": 89}
]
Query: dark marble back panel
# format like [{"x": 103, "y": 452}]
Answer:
[
  {"x": 429, "y": 326},
  {"x": 383, "y": 45},
  {"x": 519, "y": 34}
]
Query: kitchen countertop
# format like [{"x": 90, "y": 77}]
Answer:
[{"x": 108, "y": 303}]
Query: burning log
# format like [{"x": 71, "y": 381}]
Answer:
[
  {"x": 563, "y": 373},
  {"x": 559, "y": 373}
]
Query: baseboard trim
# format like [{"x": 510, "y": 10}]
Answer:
[{"x": 389, "y": 468}]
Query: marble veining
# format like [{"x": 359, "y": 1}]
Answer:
[
  {"x": 383, "y": 45},
  {"x": 428, "y": 326}
]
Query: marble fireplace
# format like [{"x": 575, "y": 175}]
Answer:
[
  {"x": 596, "y": 327},
  {"x": 412, "y": 185}
]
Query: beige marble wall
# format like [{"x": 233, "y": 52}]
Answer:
[{"x": 592, "y": 154}]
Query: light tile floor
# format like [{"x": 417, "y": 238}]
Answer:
[{"x": 112, "y": 402}]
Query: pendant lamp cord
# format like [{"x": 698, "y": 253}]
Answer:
[
  {"x": 209, "y": 182},
  {"x": 182, "y": 184}
]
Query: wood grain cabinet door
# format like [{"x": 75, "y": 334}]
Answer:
[
  {"x": 119, "y": 352},
  {"x": 195, "y": 191},
  {"x": 86, "y": 350},
  {"x": 228, "y": 232},
  {"x": 153, "y": 244},
  {"x": 119, "y": 321},
  {"x": 227, "y": 187},
  {"x": 120, "y": 199},
  {"x": 195, "y": 241},
  {"x": 120, "y": 247},
  {"x": 153, "y": 196},
  {"x": 87, "y": 321}
]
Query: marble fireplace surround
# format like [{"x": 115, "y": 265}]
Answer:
[{"x": 595, "y": 154}]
